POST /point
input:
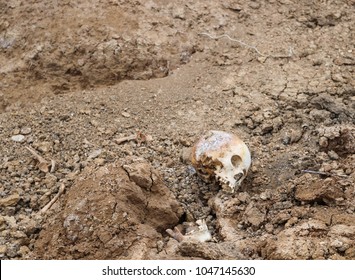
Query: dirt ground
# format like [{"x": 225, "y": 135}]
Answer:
[{"x": 101, "y": 100}]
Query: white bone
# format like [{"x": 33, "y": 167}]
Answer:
[{"x": 222, "y": 156}]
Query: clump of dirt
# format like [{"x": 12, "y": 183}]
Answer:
[
  {"x": 146, "y": 80},
  {"x": 122, "y": 210}
]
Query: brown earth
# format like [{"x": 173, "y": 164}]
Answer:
[{"x": 78, "y": 77}]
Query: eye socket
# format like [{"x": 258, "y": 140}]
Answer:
[{"x": 236, "y": 160}]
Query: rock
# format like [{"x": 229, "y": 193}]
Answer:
[
  {"x": 23, "y": 251},
  {"x": 18, "y": 138},
  {"x": 326, "y": 191},
  {"x": 342, "y": 230},
  {"x": 333, "y": 155},
  {"x": 179, "y": 12},
  {"x": 25, "y": 130},
  {"x": 126, "y": 115},
  {"x": 323, "y": 142},
  {"x": 298, "y": 242},
  {"x": 99, "y": 161},
  {"x": 94, "y": 154},
  {"x": 254, "y": 5},
  {"x": 12, "y": 250},
  {"x": 211, "y": 251},
  {"x": 29, "y": 226},
  {"x": 44, "y": 146},
  {"x": 254, "y": 216},
  {"x": 295, "y": 135},
  {"x": 10, "y": 200},
  {"x": 10, "y": 221},
  {"x": 232, "y": 5},
  {"x": 122, "y": 211},
  {"x": 344, "y": 144},
  {"x": 140, "y": 173},
  {"x": 266, "y": 128},
  {"x": 2, "y": 222},
  {"x": 3, "y": 250}
]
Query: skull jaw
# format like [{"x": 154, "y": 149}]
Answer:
[{"x": 228, "y": 183}]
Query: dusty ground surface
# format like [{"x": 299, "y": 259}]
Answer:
[{"x": 77, "y": 77}]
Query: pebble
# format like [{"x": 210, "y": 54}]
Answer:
[
  {"x": 333, "y": 155},
  {"x": 323, "y": 142},
  {"x": 254, "y": 5},
  {"x": 18, "y": 138},
  {"x": 125, "y": 114},
  {"x": 2, "y": 221},
  {"x": 3, "y": 250},
  {"x": 24, "y": 250},
  {"x": 10, "y": 200},
  {"x": 45, "y": 146},
  {"x": 295, "y": 135},
  {"x": 95, "y": 154},
  {"x": 26, "y": 130},
  {"x": 100, "y": 161}
]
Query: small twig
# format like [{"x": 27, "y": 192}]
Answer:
[
  {"x": 290, "y": 51},
  {"x": 54, "y": 199},
  {"x": 323, "y": 173}
]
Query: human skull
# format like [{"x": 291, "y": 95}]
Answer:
[{"x": 221, "y": 156}]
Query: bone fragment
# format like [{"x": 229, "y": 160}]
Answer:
[
  {"x": 126, "y": 139},
  {"x": 43, "y": 165},
  {"x": 54, "y": 199},
  {"x": 176, "y": 234}
]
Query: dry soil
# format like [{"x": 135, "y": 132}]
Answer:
[{"x": 111, "y": 95}]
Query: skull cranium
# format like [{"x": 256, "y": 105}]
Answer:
[{"x": 221, "y": 156}]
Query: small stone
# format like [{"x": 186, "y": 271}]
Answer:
[
  {"x": 323, "y": 142},
  {"x": 254, "y": 5},
  {"x": 269, "y": 228},
  {"x": 95, "y": 154},
  {"x": 266, "y": 128},
  {"x": 10, "y": 221},
  {"x": 333, "y": 155},
  {"x": 125, "y": 114},
  {"x": 338, "y": 78},
  {"x": 94, "y": 123},
  {"x": 29, "y": 226},
  {"x": 179, "y": 12},
  {"x": 261, "y": 59},
  {"x": 326, "y": 190},
  {"x": 12, "y": 250},
  {"x": 45, "y": 146},
  {"x": 243, "y": 197},
  {"x": 254, "y": 216},
  {"x": 2, "y": 221},
  {"x": 26, "y": 130},
  {"x": 295, "y": 135},
  {"x": 24, "y": 250},
  {"x": 100, "y": 161},
  {"x": 3, "y": 250},
  {"x": 160, "y": 245},
  {"x": 18, "y": 138},
  {"x": 185, "y": 155},
  {"x": 11, "y": 200},
  {"x": 265, "y": 195},
  {"x": 292, "y": 221}
]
